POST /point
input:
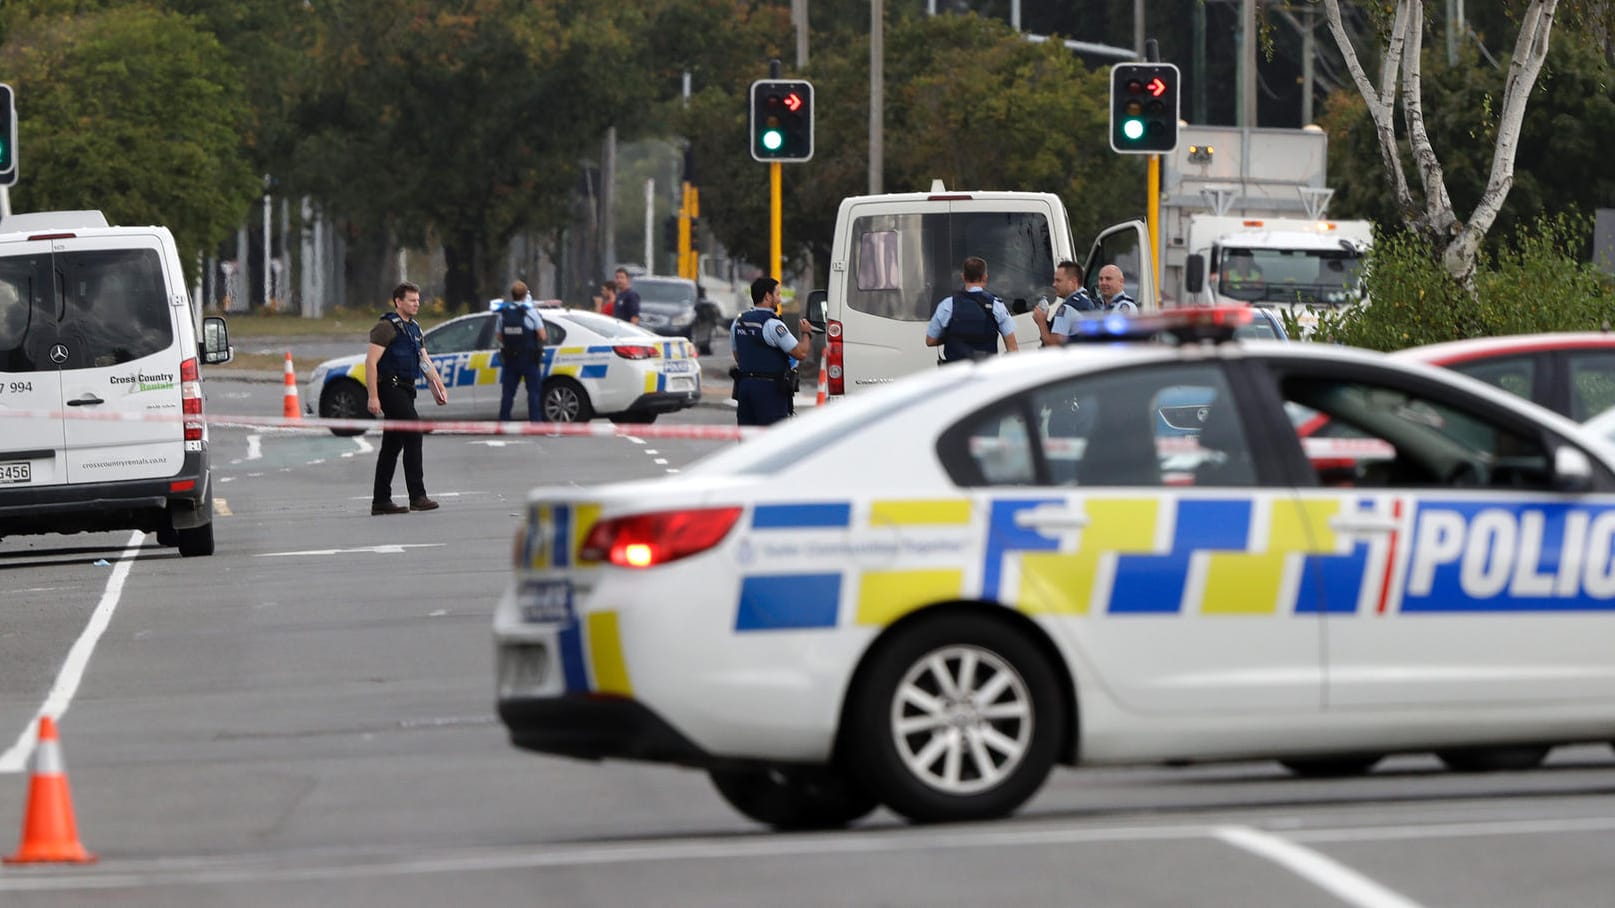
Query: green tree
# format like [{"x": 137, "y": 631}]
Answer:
[{"x": 133, "y": 111}]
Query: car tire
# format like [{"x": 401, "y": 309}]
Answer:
[
  {"x": 794, "y": 798},
  {"x": 923, "y": 754},
  {"x": 634, "y": 418},
  {"x": 345, "y": 399},
  {"x": 196, "y": 542},
  {"x": 1339, "y": 767},
  {"x": 565, "y": 401},
  {"x": 1494, "y": 759}
]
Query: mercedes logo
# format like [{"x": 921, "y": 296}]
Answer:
[
  {"x": 1200, "y": 414},
  {"x": 58, "y": 354}
]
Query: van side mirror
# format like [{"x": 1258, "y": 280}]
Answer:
[
  {"x": 818, "y": 303},
  {"x": 1018, "y": 306},
  {"x": 215, "y": 342},
  {"x": 1194, "y": 273}
]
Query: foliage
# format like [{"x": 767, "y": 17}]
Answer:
[
  {"x": 1536, "y": 282},
  {"x": 134, "y": 112}
]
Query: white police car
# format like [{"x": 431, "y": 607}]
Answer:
[
  {"x": 927, "y": 596},
  {"x": 594, "y": 365}
]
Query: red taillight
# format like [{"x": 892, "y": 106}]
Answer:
[
  {"x": 836, "y": 383},
  {"x": 636, "y": 351},
  {"x": 190, "y": 397},
  {"x": 646, "y": 540},
  {"x": 183, "y": 485},
  {"x": 53, "y": 236}
]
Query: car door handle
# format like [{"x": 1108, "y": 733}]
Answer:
[
  {"x": 1051, "y": 519},
  {"x": 88, "y": 400},
  {"x": 1371, "y": 523}
]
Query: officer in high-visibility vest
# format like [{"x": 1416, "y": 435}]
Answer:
[{"x": 765, "y": 357}]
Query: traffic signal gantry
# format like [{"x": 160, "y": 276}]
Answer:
[
  {"x": 1144, "y": 108},
  {"x": 781, "y": 120}
]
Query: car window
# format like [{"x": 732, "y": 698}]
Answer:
[
  {"x": 654, "y": 291},
  {"x": 1592, "y": 383},
  {"x": 115, "y": 306},
  {"x": 1403, "y": 438},
  {"x": 27, "y": 316},
  {"x": 1514, "y": 374},
  {"x": 460, "y": 336},
  {"x": 554, "y": 334},
  {"x": 1164, "y": 425},
  {"x": 904, "y": 264}
]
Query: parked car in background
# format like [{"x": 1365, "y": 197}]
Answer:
[
  {"x": 594, "y": 365},
  {"x": 1571, "y": 373},
  {"x": 672, "y": 307}
]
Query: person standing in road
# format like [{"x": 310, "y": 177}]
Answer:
[
  {"x": 521, "y": 348},
  {"x": 1074, "y": 300},
  {"x": 395, "y": 360},
  {"x": 764, "y": 353},
  {"x": 1113, "y": 292},
  {"x": 627, "y": 306},
  {"x": 967, "y": 325}
]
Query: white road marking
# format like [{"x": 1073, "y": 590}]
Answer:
[
  {"x": 255, "y": 447},
  {"x": 373, "y": 549},
  {"x": 78, "y": 659},
  {"x": 635, "y": 439},
  {"x": 661, "y": 461},
  {"x": 652, "y": 451},
  {"x": 365, "y": 447},
  {"x": 1326, "y": 873}
]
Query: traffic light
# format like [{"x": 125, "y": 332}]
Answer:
[
  {"x": 695, "y": 234},
  {"x": 8, "y": 136},
  {"x": 1143, "y": 108},
  {"x": 781, "y": 120}
]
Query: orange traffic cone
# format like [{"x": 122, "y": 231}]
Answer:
[
  {"x": 49, "y": 835},
  {"x": 824, "y": 383},
  {"x": 289, "y": 406}
]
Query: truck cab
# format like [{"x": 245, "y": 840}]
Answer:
[
  {"x": 896, "y": 256},
  {"x": 1283, "y": 264}
]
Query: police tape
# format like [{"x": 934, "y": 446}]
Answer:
[{"x": 432, "y": 427}]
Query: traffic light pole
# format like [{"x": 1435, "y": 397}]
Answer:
[
  {"x": 775, "y": 239},
  {"x": 1153, "y": 186}
]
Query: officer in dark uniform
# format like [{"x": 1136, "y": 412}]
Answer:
[
  {"x": 765, "y": 356},
  {"x": 394, "y": 362},
  {"x": 967, "y": 325},
  {"x": 521, "y": 352}
]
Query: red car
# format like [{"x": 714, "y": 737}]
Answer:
[{"x": 1569, "y": 373}]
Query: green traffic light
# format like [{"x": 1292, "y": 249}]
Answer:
[
  {"x": 773, "y": 139},
  {"x": 1133, "y": 129}
]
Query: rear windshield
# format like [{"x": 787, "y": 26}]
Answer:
[
  {"x": 94, "y": 308},
  {"x": 654, "y": 291},
  {"x": 904, "y": 264}
]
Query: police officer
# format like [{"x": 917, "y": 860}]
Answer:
[
  {"x": 1113, "y": 292},
  {"x": 765, "y": 354},
  {"x": 1074, "y": 300},
  {"x": 521, "y": 348},
  {"x": 397, "y": 358},
  {"x": 967, "y": 324}
]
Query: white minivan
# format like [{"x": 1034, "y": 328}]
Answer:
[
  {"x": 101, "y": 352},
  {"x": 895, "y": 256}
]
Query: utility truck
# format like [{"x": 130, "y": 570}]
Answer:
[{"x": 1243, "y": 220}]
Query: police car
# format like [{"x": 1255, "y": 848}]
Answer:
[
  {"x": 928, "y": 596},
  {"x": 594, "y": 365}
]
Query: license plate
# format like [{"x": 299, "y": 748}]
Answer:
[
  {"x": 678, "y": 365},
  {"x": 686, "y": 383},
  {"x": 547, "y": 602},
  {"x": 20, "y": 471}
]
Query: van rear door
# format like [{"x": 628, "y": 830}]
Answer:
[
  {"x": 123, "y": 351},
  {"x": 1125, "y": 245},
  {"x": 31, "y": 447}
]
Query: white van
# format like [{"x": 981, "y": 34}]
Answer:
[
  {"x": 895, "y": 256},
  {"x": 95, "y": 320}
]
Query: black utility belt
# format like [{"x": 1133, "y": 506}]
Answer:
[
  {"x": 396, "y": 381},
  {"x": 767, "y": 375}
]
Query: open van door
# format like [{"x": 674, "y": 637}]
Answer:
[{"x": 1126, "y": 245}]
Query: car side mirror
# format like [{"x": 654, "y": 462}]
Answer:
[
  {"x": 818, "y": 304},
  {"x": 1019, "y": 306},
  {"x": 1572, "y": 471},
  {"x": 1194, "y": 273},
  {"x": 215, "y": 341}
]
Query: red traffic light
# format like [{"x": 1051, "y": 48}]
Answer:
[
  {"x": 1157, "y": 87},
  {"x": 793, "y": 101}
]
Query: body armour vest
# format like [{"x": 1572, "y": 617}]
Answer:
[
  {"x": 518, "y": 341},
  {"x": 403, "y": 356},
  {"x": 971, "y": 332},
  {"x": 752, "y": 352}
]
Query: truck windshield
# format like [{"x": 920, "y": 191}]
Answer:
[
  {"x": 1320, "y": 276},
  {"x": 904, "y": 264}
]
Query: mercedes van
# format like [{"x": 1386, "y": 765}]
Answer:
[
  {"x": 894, "y": 257},
  {"x": 101, "y": 352}
]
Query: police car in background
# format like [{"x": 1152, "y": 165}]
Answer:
[
  {"x": 594, "y": 365},
  {"x": 1029, "y": 574}
]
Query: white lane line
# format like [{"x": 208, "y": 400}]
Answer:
[
  {"x": 661, "y": 461},
  {"x": 1457, "y": 830},
  {"x": 1327, "y": 874},
  {"x": 365, "y": 447},
  {"x": 78, "y": 659},
  {"x": 372, "y": 549},
  {"x": 255, "y": 447}
]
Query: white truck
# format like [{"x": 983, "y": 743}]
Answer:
[
  {"x": 1242, "y": 220},
  {"x": 895, "y": 256}
]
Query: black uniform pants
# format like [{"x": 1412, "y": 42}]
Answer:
[
  {"x": 398, "y": 403},
  {"x": 762, "y": 401}
]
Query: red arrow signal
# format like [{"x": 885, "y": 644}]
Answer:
[
  {"x": 1156, "y": 87},
  {"x": 793, "y": 101}
]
